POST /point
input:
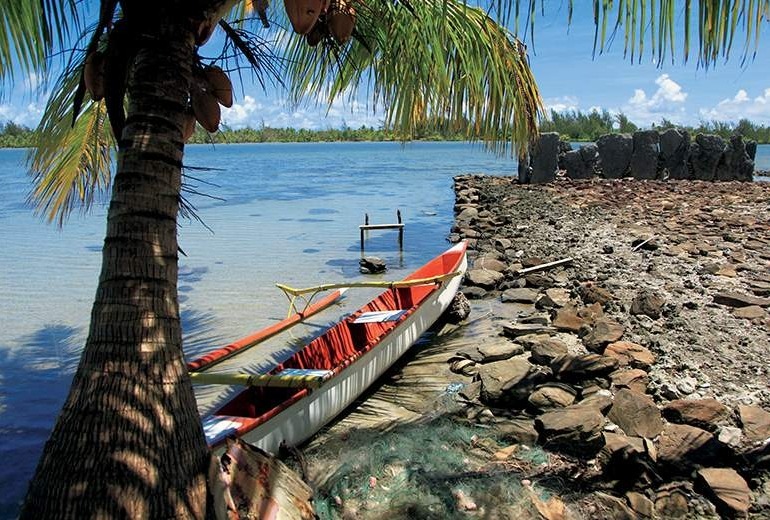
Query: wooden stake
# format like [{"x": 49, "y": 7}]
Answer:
[{"x": 544, "y": 267}]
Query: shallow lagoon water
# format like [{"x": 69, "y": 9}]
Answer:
[{"x": 281, "y": 213}]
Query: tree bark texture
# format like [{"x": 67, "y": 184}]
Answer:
[{"x": 129, "y": 442}]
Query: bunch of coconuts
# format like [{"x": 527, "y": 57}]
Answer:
[
  {"x": 210, "y": 88},
  {"x": 318, "y": 18}
]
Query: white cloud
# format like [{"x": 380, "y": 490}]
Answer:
[
  {"x": 668, "y": 102},
  {"x": 24, "y": 115},
  {"x": 279, "y": 113},
  {"x": 32, "y": 81},
  {"x": 561, "y": 104},
  {"x": 241, "y": 114},
  {"x": 740, "y": 106}
]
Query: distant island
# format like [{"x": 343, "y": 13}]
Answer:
[{"x": 571, "y": 125}]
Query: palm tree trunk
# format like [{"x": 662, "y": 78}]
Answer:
[{"x": 129, "y": 442}]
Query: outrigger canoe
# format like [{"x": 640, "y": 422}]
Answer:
[
  {"x": 298, "y": 397},
  {"x": 213, "y": 358}
]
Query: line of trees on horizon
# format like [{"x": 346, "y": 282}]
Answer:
[
  {"x": 575, "y": 125},
  {"x": 571, "y": 125}
]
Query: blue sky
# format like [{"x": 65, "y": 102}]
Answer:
[{"x": 568, "y": 77}]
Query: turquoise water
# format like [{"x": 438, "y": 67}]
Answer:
[{"x": 290, "y": 213}]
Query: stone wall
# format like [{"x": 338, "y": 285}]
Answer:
[{"x": 645, "y": 155}]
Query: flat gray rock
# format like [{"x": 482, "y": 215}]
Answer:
[
  {"x": 755, "y": 422},
  {"x": 584, "y": 366},
  {"x": 735, "y": 299},
  {"x": 498, "y": 351},
  {"x": 702, "y": 413},
  {"x": 545, "y": 351},
  {"x": 552, "y": 395},
  {"x": 523, "y": 295},
  {"x": 574, "y": 430},
  {"x": 681, "y": 447},
  {"x": 636, "y": 414},
  {"x": 484, "y": 278},
  {"x": 509, "y": 381},
  {"x": 514, "y": 330},
  {"x": 727, "y": 489}
]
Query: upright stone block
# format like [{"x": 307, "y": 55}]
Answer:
[
  {"x": 615, "y": 155},
  {"x": 644, "y": 158},
  {"x": 674, "y": 153},
  {"x": 574, "y": 165},
  {"x": 544, "y": 158},
  {"x": 736, "y": 163},
  {"x": 705, "y": 154}
]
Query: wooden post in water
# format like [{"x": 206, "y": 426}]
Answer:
[
  {"x": 366, "y": 227},
  {"x": 400, "y": 231}
]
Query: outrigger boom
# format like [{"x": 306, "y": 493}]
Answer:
[{"x": 376, "y": 284}]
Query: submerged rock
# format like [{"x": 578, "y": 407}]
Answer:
[
  {"x": 459, "y": 309},
  {"x": 372, "y": 265}
]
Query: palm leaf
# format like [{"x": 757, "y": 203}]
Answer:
[
  {"x": 69, "y": 164},
  {"x": 718, "y": 22},
  {"x": 29, "y": 32},
  {"x": 444, "y": 63}
]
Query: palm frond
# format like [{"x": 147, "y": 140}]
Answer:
[
  {"x": 29, "y": 32},
  {"x": 69, "y": 164},
  {"x": 718, "y": 23},
  {"x": 445, "y": 63}
]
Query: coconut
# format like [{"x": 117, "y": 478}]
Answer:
[
  {"x": 315, "y": 36},
  {"x": 206, "y": 109},
  {"x": 188, "y": 129},
  {"x": 204, "y": 31},
  {"x": 341, "y": 20},
  {"x": 303, "y": 14},
  {"x": 219, "y": 85},
  {"x": 93, "y": 75}
]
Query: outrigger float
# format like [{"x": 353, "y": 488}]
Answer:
[{"x": 294, "y": 400}]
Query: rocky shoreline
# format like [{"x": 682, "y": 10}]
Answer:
[{"x": 642, "y": 355}]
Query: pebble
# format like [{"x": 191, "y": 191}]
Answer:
[{"x": 687, "y": 385}]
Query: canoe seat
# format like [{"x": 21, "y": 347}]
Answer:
[{"x": 379, "y": 316}]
